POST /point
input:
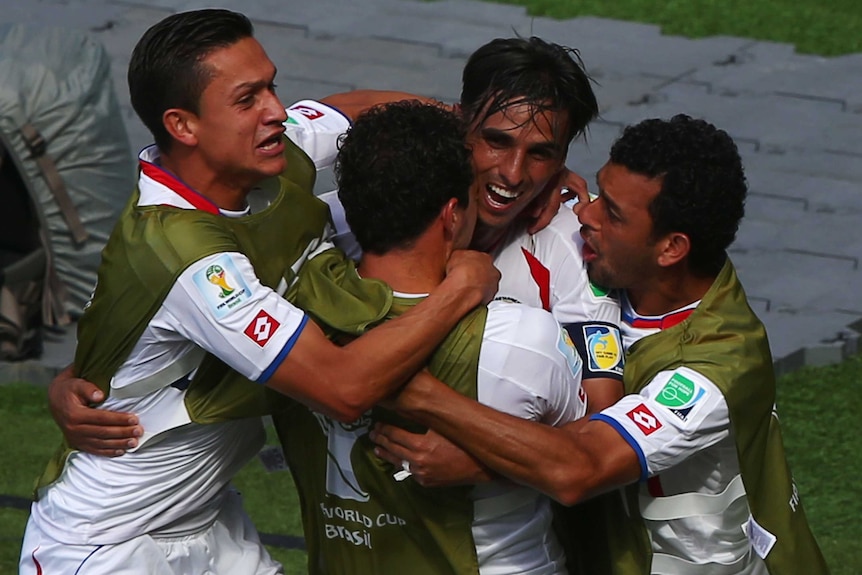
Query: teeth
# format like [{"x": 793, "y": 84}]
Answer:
[
  {"x": 269, "y": 145},
  {"x": 503, "y": 192}
]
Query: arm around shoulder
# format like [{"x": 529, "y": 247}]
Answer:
[
  {"x": 353, "y": 103},
  {"x": 344, "y": 382},
  {"x": 570, "y": 463}
]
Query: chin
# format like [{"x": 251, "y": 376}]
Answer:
[{"x": 273, "y": 169}]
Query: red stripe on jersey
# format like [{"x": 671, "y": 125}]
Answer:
[
  {"x": 666, "y": 322},
  {"x": 654, "y": 486},
  {"x": 542, "y": 277},
  {"x": 38, "y": 565},
  {"x": 167, "y": 179}
]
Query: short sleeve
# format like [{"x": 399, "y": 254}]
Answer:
[
  {"x": 679, "y": 413},
  {"x": 528, "y": 367},
  {"x": 219, "y": 304},
  {"x": 316, "y": 128}
]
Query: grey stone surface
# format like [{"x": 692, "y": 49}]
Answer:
[{"x": 796, "y": 118}]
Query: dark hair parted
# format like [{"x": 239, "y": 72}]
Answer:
[
  {"x": 166, "y": 69},
  {"x": 703, "y": 183},
  {"x": 397, "y": 167},
  {"x": 512, "y": 71}
]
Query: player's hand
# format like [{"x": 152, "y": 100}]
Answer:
[
  {"x": 564, "y": 186},
  {"x": 92, "y": 430},
  {"x": 433, "y": 460},
  {"x": 474, "y": 273}
]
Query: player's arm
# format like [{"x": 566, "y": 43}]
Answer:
[
  {"x": 534, "y": 373},
  {"x": 344, "y": 382},
  {"x": 570, "y": 463},
  {"x": 353, "y": 103},
  {"x": 341, "y": 382}
]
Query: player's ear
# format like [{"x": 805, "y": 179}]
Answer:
[
  {"x": 673, "y": 248},
  {"x": 451, "y": 215},
  {"x": 181, "y": 125}
]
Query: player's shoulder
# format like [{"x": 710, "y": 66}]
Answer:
[
  {"x": 310, "y": 110},
  {"x": 521, "y": 324}
]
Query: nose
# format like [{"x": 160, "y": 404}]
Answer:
[
  {"x": 585, "y": 211},
  {"x": 512, "y": 168},
  {"x": 274, "y": 111}
]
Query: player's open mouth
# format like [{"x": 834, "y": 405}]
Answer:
[
  {"x": 500, "y": 196},
  {"x": 270, "y": 143}
]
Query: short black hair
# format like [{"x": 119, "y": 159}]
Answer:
[
  {"x": 165, "y": 70},
  {"x": 511, "y": 71},
  {"x": 397, "y": 166},
  {"x": 703, "y": 185}
]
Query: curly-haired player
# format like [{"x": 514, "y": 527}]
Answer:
[
  {"x": 385, "y": 183},
  {"x": 696, "y": 443}
]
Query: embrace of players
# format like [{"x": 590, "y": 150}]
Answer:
[{"x": 489, "y": 352}]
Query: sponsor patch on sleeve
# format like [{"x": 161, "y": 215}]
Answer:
[
  {"x": 307, "y": 111},
  {"x": 681, "y": 395},
  {"x": 222, "y": 286},
  {"x": 261, "y": 328},
  {"x": 604, "y": 349},
  {"x": 644, "y": 419}
]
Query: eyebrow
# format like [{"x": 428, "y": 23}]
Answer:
[
  {"x": 609, "y": 201},
  {"x": 496, "y": 133},
  {"x": 255, "y": 85}
]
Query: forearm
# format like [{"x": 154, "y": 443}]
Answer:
[
  {"x": 551, "y": 460},
  {"x": 353, "y": 103},
  {"x": 344, "y": 382},
  {"x": 385, "y": 357}
]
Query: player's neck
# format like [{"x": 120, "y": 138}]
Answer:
[
  {"x": 414, "y": 270},
  {"x": 485, "y": 238},
  {"x": 668, "y": 292}
]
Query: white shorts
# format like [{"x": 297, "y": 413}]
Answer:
[{"x": 230, "y": 545}]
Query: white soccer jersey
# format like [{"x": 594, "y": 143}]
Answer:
[
  {"x": 527, "y": 368},
  {"x": 173, "y": 484},
  {"x": 692, "y": 497}
]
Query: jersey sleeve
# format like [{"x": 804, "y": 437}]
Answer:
[
  {"x": 678, "y": 414},
  {"x": 343, "y": 238},
  {"x": 316, "y": 128},
  {"x": 219, "y": 304},
  {"x": 528, "y": 367}
]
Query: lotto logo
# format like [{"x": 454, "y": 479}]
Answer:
[
  {"x": 644, "y": 419},
  {"x": 261, "y": 328},
  {"x": 309, "y": 113}
]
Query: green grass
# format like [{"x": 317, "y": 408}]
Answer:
[
  {"x": 827, "y": 27},
  {"x": 818, "y": 407},
  {"x": 819, "y": 410}
]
